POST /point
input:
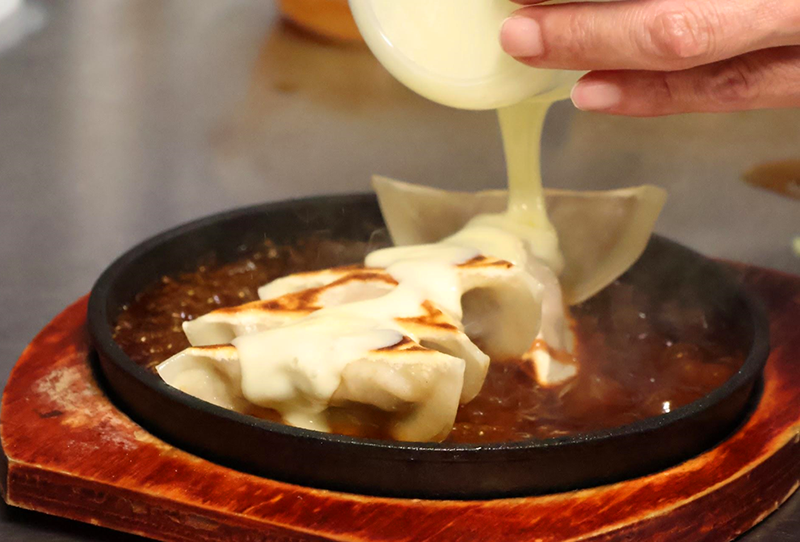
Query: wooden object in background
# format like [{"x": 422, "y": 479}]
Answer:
[
  {"x": 327, "y": 18},
  {"x": 68, "y": 451}
]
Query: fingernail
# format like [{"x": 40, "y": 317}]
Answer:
[
  {"x": 596, "y": 95},
  {"x": 521, "y": 37}
]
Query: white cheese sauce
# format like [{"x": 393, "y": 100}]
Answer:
[{"x": 295, "y": 369}]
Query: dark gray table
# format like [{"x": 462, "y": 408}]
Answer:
[{"x": 121, "y": 118}]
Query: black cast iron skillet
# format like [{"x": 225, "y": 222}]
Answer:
[{"x": 407, "y": 469}]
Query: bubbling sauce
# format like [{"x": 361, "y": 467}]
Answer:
[{"x": 639, "y": 355}]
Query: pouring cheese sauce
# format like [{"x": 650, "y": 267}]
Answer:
[{"x": 449, "y": 51}]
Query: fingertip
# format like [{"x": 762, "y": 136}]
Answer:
[
  {"x": 521, "y": 37},
  {"x": 625, "y": 93},
  {"x": 596, "y": 95}
]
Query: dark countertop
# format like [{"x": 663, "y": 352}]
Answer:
[{"x": 119, "y": 119}]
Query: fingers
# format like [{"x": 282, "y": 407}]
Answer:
[
  {"x": 764, "y": 79},
  {"x": 662, "y": 35}
]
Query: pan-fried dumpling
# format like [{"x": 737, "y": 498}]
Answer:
[
  {"x": 210, "y": 373},
  {"x": 600, "y": 234},
  {"x": 595, "y": 238},
  {"x": 494, "y": 302},
  {"x": 320, "y": 289},
  {"x": 297, "y": 282},
  {"x": 532, "y": 252},
  {"x": 351, "y": 360},
  {"x": 526, "y": 267}
]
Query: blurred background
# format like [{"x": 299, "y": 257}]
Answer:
[{"x": 120, "y": 118}]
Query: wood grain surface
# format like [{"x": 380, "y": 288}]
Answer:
[{"x": 68, "y": 451}]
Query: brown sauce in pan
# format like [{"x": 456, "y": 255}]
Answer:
[{"x": 638, "y": 358}]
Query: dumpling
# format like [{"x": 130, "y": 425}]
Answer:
[
  {"x": 600, "y": 234},
  {"x": 496, "y": 302},
  {"x": 297, "y": 296},
  {"x": 497, "y": 305},
  {"x": 297, "y": 282},
  {"x": 210, "y": 373},
  {"x": 533, "y": 255},
  {"x": 367, "y": 363}
]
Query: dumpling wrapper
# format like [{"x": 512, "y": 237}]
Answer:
[
  {"x": 210, "y": 373},
  {"x": 601, "y": 234},
  {"x": 417, "y": 388},
  {"x": 297, "y": 282}
]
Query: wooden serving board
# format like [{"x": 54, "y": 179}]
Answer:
[{"x": 68, "y": 451}]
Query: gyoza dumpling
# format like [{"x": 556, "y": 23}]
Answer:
[
  {"x": 532, "y": 253},
  {"x": 496, "y": 302},
  {"x": 297, "y": 282},
  {"x": 307, "y": 369},
  {"x": 600, "y": 234},
  {"x": 298, "y": 296},
  {"x": 500, "y": 310},
  {"x": 210, "y": 373},
  {"x": 597, "y": 237}
]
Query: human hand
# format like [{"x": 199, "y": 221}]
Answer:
[{"x": 660, "y": 57}]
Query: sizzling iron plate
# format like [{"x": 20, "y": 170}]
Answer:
[{"x": 407, "y": 469}]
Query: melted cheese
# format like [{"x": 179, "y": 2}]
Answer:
[
  {"x": 297, "y": 368},
  {"x": 428, "y": 270}
]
